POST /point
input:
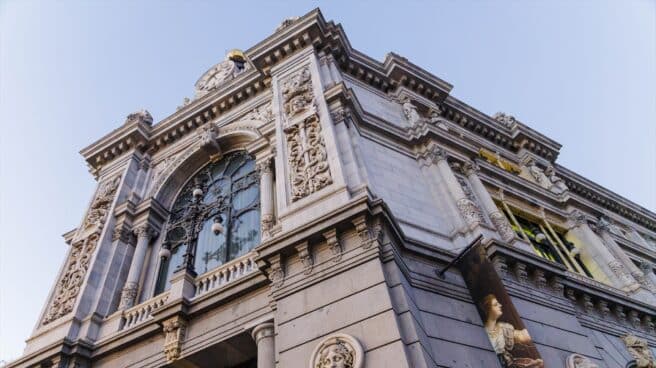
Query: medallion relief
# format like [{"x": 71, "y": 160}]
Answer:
[{"x": 338, "y": 351}]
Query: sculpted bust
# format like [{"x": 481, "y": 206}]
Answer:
[{"x": 338, "y": 351}]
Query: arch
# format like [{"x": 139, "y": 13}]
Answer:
[{"x": 211, "y": 141}]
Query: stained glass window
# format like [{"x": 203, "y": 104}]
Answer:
[{"x": 216, "y": 218}]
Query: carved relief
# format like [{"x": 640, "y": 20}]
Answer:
[
  {"x": 531, "y": 171},
  {"x": 469, "y": 211},
  {"x": 333, "y": 244},
  {"x": 70, "y": 283},
  {"x": 410, "y": 112},
  {"x": 305, "y": 256},
  {"x": 503, "y": 226},
  {"x": 276, "y": 272},
  {"x": 100, "y": 206},
  {"x": 174, "y": 330},
  {"x": 308, "y": 161},
  {"x": 507, "y": 121},
  {"x": 338, "y": 351},
  {"x": 639, "y": 349},
  {"x": 128, "y": 295},
  {"x": 558, "y": 184},
  {"x": 579, "y": 361},
  {"x": 297, "y": 92}
]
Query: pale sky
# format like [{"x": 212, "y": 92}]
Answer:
[{"x": 581, "y": 72}]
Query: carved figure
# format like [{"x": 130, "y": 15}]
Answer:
[
  {"x": 410, "y": 112},
  {"x": 338, "y": 351},
  {"x": 507, "y": 121},
  {"x": 537, "y": 174},
  {"x": 142, "y": 116},
  {"x": 557, "y": 183},
  {"x": 639, "y": 349},
  {"x": 506, "y": 340}
]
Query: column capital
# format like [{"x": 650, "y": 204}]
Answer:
[
  {"x": 263, "y": 166},
  {"x": 603, "y": 224},
  {"x": 262, "y": 331},
  {"x": 577, "y": 218},
  {"x": 145, "y": 231},
  {"x": 470, "y": 168}
]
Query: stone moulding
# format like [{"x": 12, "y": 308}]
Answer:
[{"x": 338, "y": 350}]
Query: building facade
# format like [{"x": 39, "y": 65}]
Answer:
[{"x": 295, "y": 212}]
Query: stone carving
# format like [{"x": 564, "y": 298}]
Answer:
[
  {"x": 437, "y": 119},
  {"x": 175, "y": 330},
  {"x": 536, "y": 173},
  {"x": 261, "y": 113},
  {"x": 338, "y": 351},
  {"x": 602, "y": 305},
  {"x": 128, "y": 295},
  {"x": 503, "y": 226},
  {"x": 558, "y": 185},
  {"x": 123, "y": 233},
  {"x": 579, "y": 361},
  {"x": 305, "y": 256},
  {"x": 639, "y": 349},
  {"x": 520, "y": 272},
  {"x": 222, "y": 72},
  {"x": 308, "y": 161},
  {"x": 286, "y": 23},
  {"x": 142, "y": 116},
  {"x": 620, "y": 272},
  {"x": 333, "y": 244},
  {"x": 507, "y": 121},
  {"x": 297, "y": 92},
  {"x": 410, "y": 112},
  {"x": 577, "y": 218},
  {"x": 276, "y": 272},
  {"x": 100, "y": 205},
  {"x": 469, "y": 211},
  {"x": 68, "y": 286}
]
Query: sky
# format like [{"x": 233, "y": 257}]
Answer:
[{"x": 580, "y": 72}]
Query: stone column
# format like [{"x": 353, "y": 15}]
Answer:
[
  {"x": 263, "y": 335},
  {"x": 468, "y": 209},
  {"x": 470, "y": 169},
  {"x": 129, "y": 293},
  {"x": 266, "y": 195},
  {"x": 594, "y": 253}
]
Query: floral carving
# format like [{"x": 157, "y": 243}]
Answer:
[
  {"x": 503, "y": 226},
  {"x": 308, "y": 161},
  {"x": 297, "y": 92},
  {"x": 305, "y": 256},
  {"x": 174, "y": 330},
  {"x": 579, "y": 361},
  {"x": 69, "y": 285},
  {"x": 100, "y": 205},
  {"x": 639, "y": 349},
  {"x": 338, "y": 351},
  {"x": 469, "y": 211}
]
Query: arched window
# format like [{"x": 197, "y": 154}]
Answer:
[{"x": 214, "y": 219}]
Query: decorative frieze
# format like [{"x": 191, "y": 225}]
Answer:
[
  {"x": 297, "y": 92},
  {"x": 100, "y": 205},
  {"x": 175, "y": 330},
  {"x": 307, "y": 157},
  {"x": 338, "y": 350},
  {"x": 69, "y": 285}
]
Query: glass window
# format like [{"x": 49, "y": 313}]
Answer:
[
  {"x": 548, "y": 243},
  {"x": 215, "y": 218}
]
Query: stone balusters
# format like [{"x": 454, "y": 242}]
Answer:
[
  {"x": 266, "y": 196},
  {"x": 264, "y": 337},
  {"x": 144, "y": 234},
  {"x": 499, "y": 220},
  {"x": 594, "y": 252}
]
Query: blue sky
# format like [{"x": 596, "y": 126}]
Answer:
[{"x": 580, "y": 72}]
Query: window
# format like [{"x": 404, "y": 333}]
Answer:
[
  {"x": 215, "y": 219},
  {"x": 548, "y": 243}
]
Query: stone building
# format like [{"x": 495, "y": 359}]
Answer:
[{"x": 294, "y": 214}]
